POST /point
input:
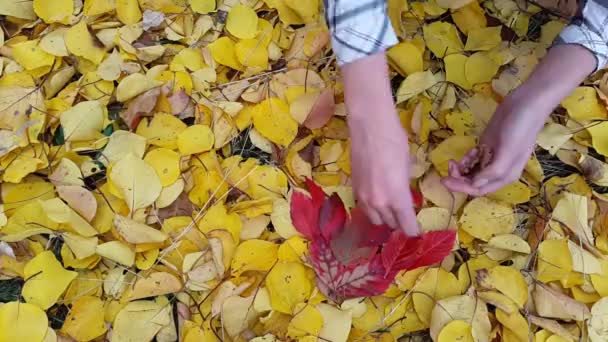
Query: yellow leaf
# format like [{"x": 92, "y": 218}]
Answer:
[
  {"x": 456, "y": 331},
  {"x": 252, "y": 53},
  {"x": 137, "y": 181},
  {"x": 288, "y": 285},
  {"x": 120, "y": 144},
  {"x": 254, "y": 255},
  {"x": 223, "y": 52},
  {"x": 514, "y": 193},
  {"x": 162, "y": 131},
  {"x": 281, "y": 219},
  {"x": 583, "y": 261},
  {"x": 166, "y": 164},
  {"x": 434, "y": 191},
  {"x": 30, "y": 55},
  {"x": 242, "y": 22},
  {"x": 597, "y": 325},
  {"x": 266, "y": 181},
  {"x": 442, "y": 38},
  {"x": 553, "y": 136},
  {"x": 406, "y": 58},
  {"x": 83, "y": 122},
  {"x": 272, "y": 119},
  {"x": 22, "y": 321},
  {"x": 56, "y": 12},
  {"x": 188, "y": 58},
  {"x": 483, "y": 39},
  {"x": 85, "y": 320},
  {"x": 156, "y": 284},
  {"x": 599, "y": 137},
  {"x": 216, "y": 217},
  {"x": 128, "y": 11},
  {"x": 455, "y": 70},
  {"x": 452, "y": 148},
  {"x": 462, "y": 308},
  {"x": 238, "y": 314},
  {"x": 571, "y": 210},
  {"x": 336, "y": 323},
  {"x": 583, "y": 104},
  {"x": 46, "y": 280},
  {"x": 484, "y": 218},
  {"x": 510, "y": 242},
  {"x": 59, "y": 212},
  {"x": 428, "y": 291},
  {"x": 293, "y": 249},
  {"x": 82, "y": 247},
  {"x": 415, "y": 84},
  {"x": 308, "y": 11},
  {"x": 118, "y": 252},
  {"x": 307, "y": 321},
  {"x": 202, "y": 6},
  {"x": 549, "y": 31},
  {"x": 515, "y": 322},
  {"x": 133, "y": 85},
  {"x": 600, "y": 281},
  {"x": 470, "y": 17},
  {"x": 507, "y": 280},
  {"x": 96, "y": 7},
  {"x": 554, "y": 260},
  {"x": 81, "y": 43},
  {"x": 480, "y": 68},
  {"x": 137, "y": 233},
  {"x": 141, "y": 320}
]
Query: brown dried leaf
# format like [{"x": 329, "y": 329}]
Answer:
[
  {"x": 554, "y": 304},
  {"x": 79, "y": 199},
  {"x": 142, "y": 104}
]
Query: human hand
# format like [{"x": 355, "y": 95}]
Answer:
[
  {"x": 509, "y": 139},
  {"x": 503, "y": 150},
  {"x": 379, "y": 147}
]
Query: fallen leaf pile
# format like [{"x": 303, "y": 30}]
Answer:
[{"x": 151, "y": 151}]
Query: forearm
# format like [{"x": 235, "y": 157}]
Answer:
[
  {"x": 556, "y": 76},
  {"x": 367, "y": 90}
]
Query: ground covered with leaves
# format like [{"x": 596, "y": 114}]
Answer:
[{"x": 149, "y": 150}]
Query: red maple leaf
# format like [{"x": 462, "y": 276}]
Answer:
[{"x": 351, "y": 256}]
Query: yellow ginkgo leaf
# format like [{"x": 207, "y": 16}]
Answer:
[
  {"x": 288, "y": 285},
  {"x": 136, "y": 232},
  {"x": 80, "y": 42},
  {"x": 83, "y": 122},
  {"x": 254, "y": 255},
  {"x": 272, "y": 119},
  {"x": 156, "y": 284},
  {"x": 118, "y": 252},
  {"x": 307, "y": 321},
  {"x": 202, "y": 6},
  {"x": 507, "y": 280},
  {"x": 415, "y": 84},
  {"x": 484, "y": 218},
  {"x": 242, "y": 22},
  {"x": 455, "y": 70},
  {"x": 442, "y": 38},
  {"x": 452, "y": 148},
  {"x": 56, "y": 12},
  {"x": 336, "y": 323},
  {"x": 22, "y": 322},
  {"x": 456, "y": 330},
  {"x": 166, "y": 164},
  {"x": 141, "y": 320},
  {"x": 96, "y": 7},
  {"x": 223, "y": 52},
  {"x": 85, "y": 320},
  {"x": 31, "y": 56},
  {"x": 510, "y": 242},
  {"x": 406, "y": 58},
  {"x": 514, "y": 193},
  {"x": 128, "y": 11},
  {"x": 82, "y": 247},
  {"x": 554, "y": 260},
  {"x": 163, "y": 130},
  {"x": 251, "y": 53},
  {"x": 480, "y": 68},
  {"x": 137, "y": 181},
  {"x": 427, "y": 291},
  {"x": 583, "y": 104},
  {"x": 469, "y": 17},
  {"x": 483, "y": 39},
  {"x": 266, "y": 181},
  {"x": 195, "y": 139},
  {"x": 46, "y": 280},
  {"x": 134, "y": 85}
]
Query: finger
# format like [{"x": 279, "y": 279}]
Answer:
[
  {"x": 487, "y": 175},
  {"x": 460, "y": 185},
  {"x": 373, "y": 216},
  {"x": 493, "y": 186},
  {"x": 406, "y": 218},
  {"x": 388, "y": 217}
]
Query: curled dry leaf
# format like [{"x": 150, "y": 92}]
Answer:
[{"x": 551, "y": 303}]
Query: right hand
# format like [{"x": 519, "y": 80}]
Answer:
[{"x": 380, "y": 173}]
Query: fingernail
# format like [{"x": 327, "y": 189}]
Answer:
[{"x": 478, "y": 183}]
